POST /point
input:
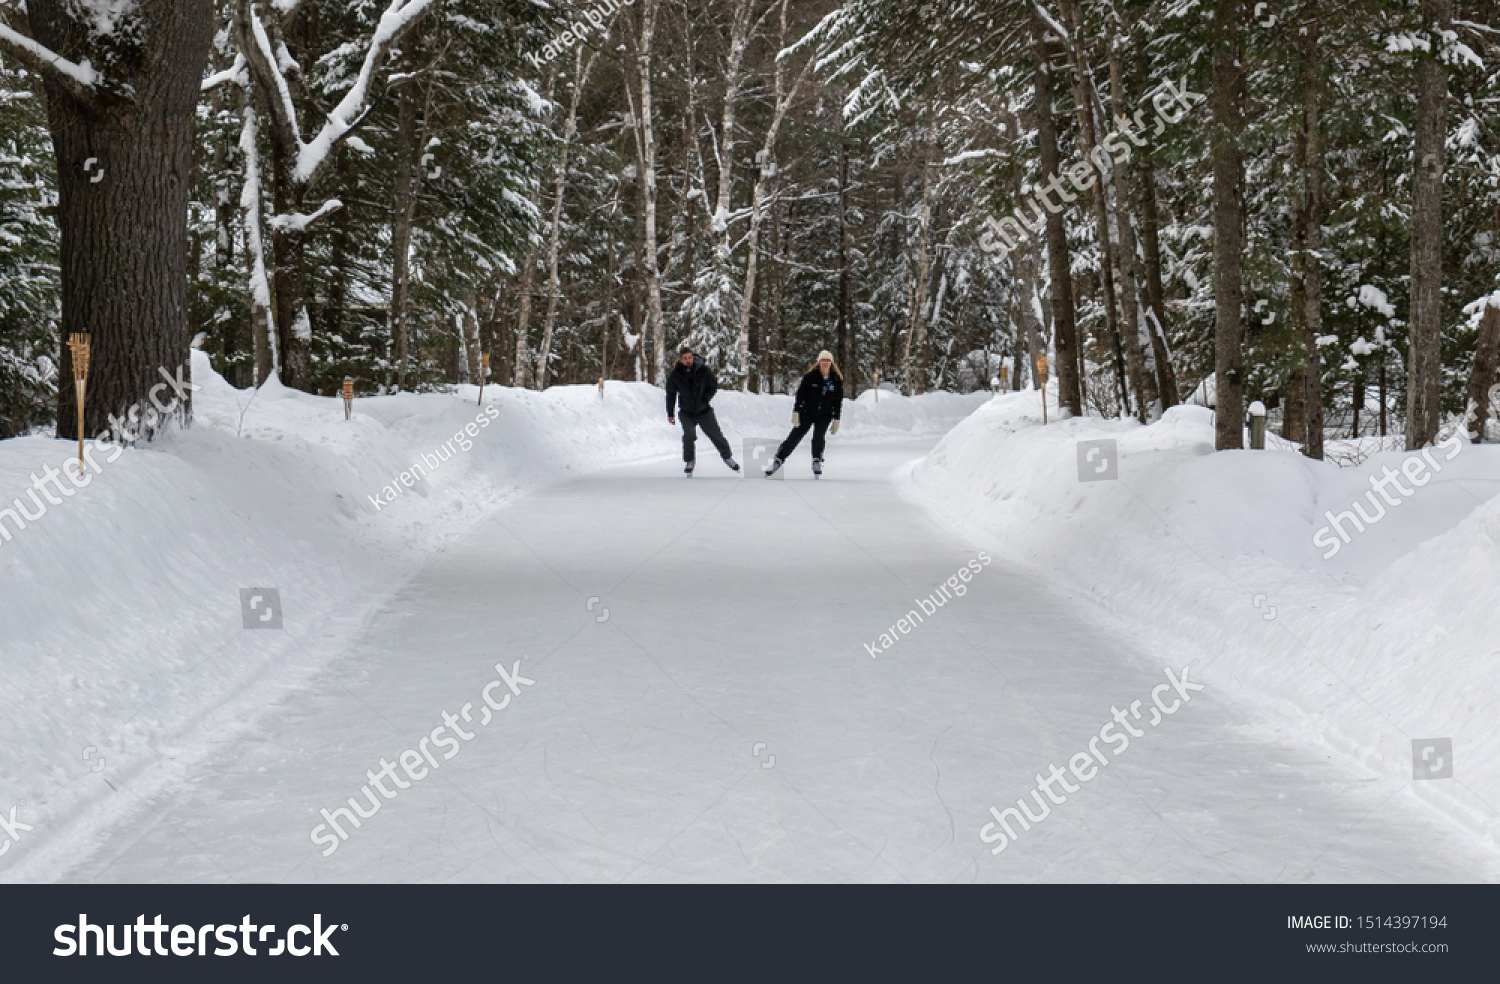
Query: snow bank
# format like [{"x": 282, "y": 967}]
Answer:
[
  {"x": 120, "y": 611},
  {"x": 1210, "y": 556}
]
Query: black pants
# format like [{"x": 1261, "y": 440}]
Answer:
[
  {"x": 820, "y": 431},
  {"x": 710, "y": 424}
]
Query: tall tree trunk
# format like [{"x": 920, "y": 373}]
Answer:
[
  {"x": 1424, "y": 382},
  {"x": 1084, "y": 99},
  {"x": 1064, "y": 322},
  {"x": 611, "y": 287},
  {"x": 338, "y": 281},
  {"x": 124, "y": 236},
  {"x": 472, "y": 348},
  {"x": 1313, "y": 266},
  {"x": 739, "y": 39},
  {"x": 1294, "y": 419},
  {"x": 288, "y": 243},
  {"x": 402, "y": 213},
  {"x": 581, "y": 72},
  {"x": 1294, "y": 415},
  {"x": 846, "y": 277},
  {"x": 1229, "y": 210},
  {"x": 1156, "y": 316},
  {"x": 1130, "y": 269},
  {"x": 1358, "y": 388},
  {"x": 657, "y": 329},
  {"x": 784, "y": 234},
  {"x": 288, "y": 240},
  {"x": 742, "y": 28},
  {"x": 262, "y": 322},
  {"x": 747, "y": 298},
  {"x": 1027, "y": 272},
  {"x": 1484, "y": 375},
  {"x": 521, "y": 368},
  {"x": 918, "y": 335},
  {"x": 767, "y": 160}
]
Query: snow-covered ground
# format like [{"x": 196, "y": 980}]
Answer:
[
  {"x": 705, "y": 704},
  {"x": 121, "y": 638},
  {"x": 694, "y": 701},
  {"x": 1391, "y": 640}
]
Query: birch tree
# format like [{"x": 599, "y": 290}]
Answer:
[{"x": 783, "y": 98}]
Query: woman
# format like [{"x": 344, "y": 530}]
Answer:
[{"x": 819, "y": 403}]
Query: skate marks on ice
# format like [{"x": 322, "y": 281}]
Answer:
[{"x": 723, "y": 722}]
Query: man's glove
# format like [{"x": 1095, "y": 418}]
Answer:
[
  {"x": 835, "y": 428},
  {"x": 671, "y": 420},
  {"x": 796, "y": 419}
]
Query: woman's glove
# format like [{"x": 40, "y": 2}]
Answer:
[
  {"x": 835, "y": 428},
  {"x": 796, "y": 419}
]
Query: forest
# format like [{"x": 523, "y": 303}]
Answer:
[{"x": 1152, "y": 201}]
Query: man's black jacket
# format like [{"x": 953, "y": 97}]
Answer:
[{"x": 695, "y": 387}]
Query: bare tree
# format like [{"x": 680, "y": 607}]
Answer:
[
  {"x": 1064, "y": 321},
  {"x": 1228, "y": 194},
  {"x": 582, "y": 69},
  {"x": 767, "y": 160},
  {"x": 1424, "y": 382}
]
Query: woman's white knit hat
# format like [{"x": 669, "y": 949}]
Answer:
[{"x": 825, "y": 354}]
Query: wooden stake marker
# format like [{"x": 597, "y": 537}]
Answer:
[
  {"x": 484, "y": 373},
  {"x": 348, "y": 397}
]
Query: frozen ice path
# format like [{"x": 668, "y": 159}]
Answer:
[{"x": 725, "y": 722}]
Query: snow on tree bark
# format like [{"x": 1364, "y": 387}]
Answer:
[{"x": 120, "y": 107}]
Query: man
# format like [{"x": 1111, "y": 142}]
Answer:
[
  {"x": 818, "y": 406},
  {"x": 692, "y": 383}
]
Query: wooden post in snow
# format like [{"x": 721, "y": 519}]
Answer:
[{"x": 1257, "y": 426}]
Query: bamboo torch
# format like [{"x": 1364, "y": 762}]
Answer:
[
  {"x": 79, "y": 344},
  {"x": 1041, "y": 375}
]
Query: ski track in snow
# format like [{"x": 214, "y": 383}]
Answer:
[{"x": 737, "y": 613}]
